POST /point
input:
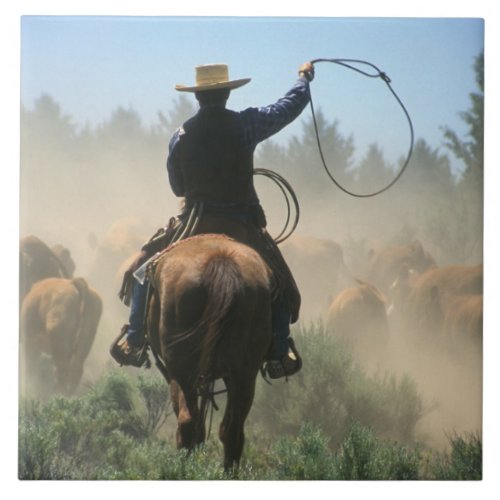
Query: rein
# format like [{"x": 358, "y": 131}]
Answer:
[{"x": 207, "y": 394}]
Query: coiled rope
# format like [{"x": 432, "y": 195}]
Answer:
[{"x": 289, "y": 195}]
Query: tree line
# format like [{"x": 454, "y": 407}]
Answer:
[{"x": 429, "y": 201}]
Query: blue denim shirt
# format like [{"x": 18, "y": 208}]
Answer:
[{"x": 259, "y": 123}]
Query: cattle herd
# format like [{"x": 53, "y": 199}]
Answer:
[{"x": 397, "y": 309}]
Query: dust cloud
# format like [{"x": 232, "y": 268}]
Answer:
[{"x": 102, "y": 194}]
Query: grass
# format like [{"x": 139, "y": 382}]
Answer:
[{"x": 333, "y": 422}]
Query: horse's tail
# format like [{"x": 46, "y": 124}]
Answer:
[{"x": 223, "y": 280}]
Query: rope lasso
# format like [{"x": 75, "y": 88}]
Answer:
[
  {"x": 347, "y": 63},
  {"x": 289, "y": 195}
]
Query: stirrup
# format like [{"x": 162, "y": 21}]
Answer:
[
  {"x": 289, "y": 365},
  {"x": 137, "y": 356}
]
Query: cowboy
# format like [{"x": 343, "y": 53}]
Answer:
[{"x": 210, "y": 162}]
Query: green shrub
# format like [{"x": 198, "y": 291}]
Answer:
[
  {"x": 463, "y": 462},
  {"x": 155, "y": 395},
  {"x": 354, "y": 458},
  {"x": 331, "y": 390},
  {"x": 363, "y": 456},
  {"x": 390, "y": 406},
  {"x": 306, "y": 457},
  {"x": 90, "y": 436},
  {"x": 37, "y": 445},
  {"x": 111, "y": 432}
]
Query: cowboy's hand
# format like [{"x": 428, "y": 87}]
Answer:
[{"x": 307, "y": 71}]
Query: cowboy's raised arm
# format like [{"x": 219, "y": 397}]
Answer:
[{"x": 263, "y": 122}]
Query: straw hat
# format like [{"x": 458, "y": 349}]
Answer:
[{"x": 211, "y": 77}]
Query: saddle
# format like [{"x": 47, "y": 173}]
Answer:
[{"x": 256, "y": 237}]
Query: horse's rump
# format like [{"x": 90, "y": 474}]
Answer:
[{"x": 212, "y": 300}]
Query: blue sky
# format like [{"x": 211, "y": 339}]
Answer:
[{"x": 92, "y": 64}]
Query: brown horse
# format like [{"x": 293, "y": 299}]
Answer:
[{"x": 210, "y": 318}]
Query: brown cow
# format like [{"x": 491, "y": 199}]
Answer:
[
  {"x": 435, "y": 295},
  {"x": 59, "y": 317},
  {"x": 358, "y": 314},
  {"x": 319, "y": 270},
  {"x": 463, "y": 324},
  {"x": 386, "y": 264},
  {"x": 37, "y": 261},
  {"x": 64, "y": 256},
  {"x": 124, "y": 238}
]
